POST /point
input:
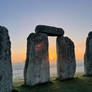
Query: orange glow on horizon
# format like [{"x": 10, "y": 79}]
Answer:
[
  {"x": 20, "y": 54},
  {"x": 79, "y": 51},
  {"x": 52, "y": 54}
]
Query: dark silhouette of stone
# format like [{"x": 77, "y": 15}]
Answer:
[
  {"x": 5, "y": 61},
  {"x": 37, "y": 64},
  {"x": 88, "y": 55},
  {"x": 90, "y": 35},
  {"x": 49, "y": 30},
  {"x": 66, "y": 63}
]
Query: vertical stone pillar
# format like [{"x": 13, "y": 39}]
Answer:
[
  {"x": 37, "y": 63},
  {"x": 66, "y": 63},
  {"x": 5, "y": 61},
  {"x": 88, "y": 55}
]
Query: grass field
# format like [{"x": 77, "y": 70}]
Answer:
[{"x": 79, "y": 84}]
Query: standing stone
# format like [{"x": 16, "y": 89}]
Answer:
[
  {"x": 88, "y": 55},
  {"x": 37, "y": 63},
  {"x": 66, "y": 63},
  {"x": 5, "y": 61},
  {"x": 49, "y": 30}
]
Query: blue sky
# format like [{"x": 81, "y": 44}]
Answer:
[{"x": 21, "y": 17}]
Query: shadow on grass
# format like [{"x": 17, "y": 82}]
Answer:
[
  {"x": 69, "y": 79},
  {"x": 38, "y": 85},
  {"x": 87, "y": 75},
  {"x": 77, "y": 84},
  {"x": 15, "y": 90}
]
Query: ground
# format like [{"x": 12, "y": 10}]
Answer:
[{"x": 80, "y": 83}]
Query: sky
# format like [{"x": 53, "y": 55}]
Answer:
[{"x": 20, "y": 17}]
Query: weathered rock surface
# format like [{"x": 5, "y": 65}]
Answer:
[
  {"x": 37, "y": 63},
  {"x": 49, "y": 30},
  {"x": 88, "y": 55},
  {"x": 66, "y": 63},
  {"x": 5, "y": 61}
]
